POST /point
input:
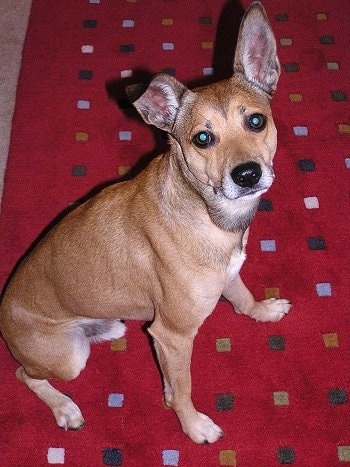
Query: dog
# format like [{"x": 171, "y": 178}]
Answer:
[{"x": 162, "y": 247}]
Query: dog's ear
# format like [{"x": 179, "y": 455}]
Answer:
[
  {"x": 159, "y": 102},
  {"x": 256, "y": 56}
]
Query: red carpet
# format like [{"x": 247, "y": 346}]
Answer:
[{"x": 280, "y": 391}]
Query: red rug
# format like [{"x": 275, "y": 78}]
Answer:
[{"x": 280, "y": 391}]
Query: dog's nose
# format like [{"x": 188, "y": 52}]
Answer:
[{"x": 246, "y": 175}]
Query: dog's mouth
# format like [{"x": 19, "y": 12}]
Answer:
[{"x": 233, "y": 188}]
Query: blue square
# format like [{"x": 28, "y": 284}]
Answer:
[
  {"x": 300, "y": 130},
  {"x": 115, "y": 400},
  {"x": 171, "y": 457},
  {"x": 324, "y": 289},
  {"x": 268, "y": 245}
]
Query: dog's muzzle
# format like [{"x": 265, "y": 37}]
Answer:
[
  {"x": 247, "y": 175},
  {"x": 250, "y": 179}
]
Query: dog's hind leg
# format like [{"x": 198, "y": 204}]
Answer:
[{"x": 272, "y": 309}]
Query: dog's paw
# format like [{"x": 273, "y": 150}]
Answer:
[
  {"x": 271, "y": 309},
  {"x": 68, "y": 415},
  {"x": 202, "y": 430}
]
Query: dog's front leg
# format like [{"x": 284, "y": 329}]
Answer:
[
  {"x": 174, "y": 351},
  {"x": 242, "y": 300}
]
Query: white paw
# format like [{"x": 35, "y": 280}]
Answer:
[
  {"x": 202, "y": 430},
  {"x": 68, "y": 415},
  {"x": 271, "y": 309}
]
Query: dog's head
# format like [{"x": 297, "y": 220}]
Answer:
[{"x": 223, "y": 135}]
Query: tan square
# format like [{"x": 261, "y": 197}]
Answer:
[
  {"x": 81, "y": 136},
  {"x": 167, "y": 21},
  {"x": 223, "y": 344},
  {"x": 272, "y": 292},
  {"x": 296, "y": 97},
  {"x": 123, "y": 170},
  {"x": 344, "y": 128},
  {"x": 321, "y": 17},
  {"x": 281, "y": 398},
  {"x": 207, "y": 45},
  {"x": 119, "y": 345},
  {"x": 331, "y": 340},
  {"x": 344, "y": 453},
  {"x": 228, "y": 457},
  {"x": 286, "y": 41}
]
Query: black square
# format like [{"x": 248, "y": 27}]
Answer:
[
  {"x": 169, "y": 71},
  {"x": 79, "y": 170},
  {"x": 265, "y": 205},
  {"x": 286, "y": 455},
  {"x": 306, "y": 165},
  {"x": 224, "y": 402},
  {"x": 112, "y": 456},
  {"x": 85, "y": 74},
  {"x": 316, "y": 243},
  {"x": 127, "y": 48},
  {"x": 326, "y": 40},
  {"x": 277, "y": 343},
  {"x": 205, "y": 20},
  {"x": 281, "y": 17},
  {"x": 339, "y": 96},
  {"x": 89, "y": 23},
  {"x": 337, "y": 396},
  {"x": 291, "y": 67}
]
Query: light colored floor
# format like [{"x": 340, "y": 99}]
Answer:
[{"x": 13, "y": 26}]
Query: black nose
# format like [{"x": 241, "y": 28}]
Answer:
[{"x": 246, "y": 175}]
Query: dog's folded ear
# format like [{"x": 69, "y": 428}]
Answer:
[
  {"x": 159, "y": 101},
  {"x": 256, "y": 56}
]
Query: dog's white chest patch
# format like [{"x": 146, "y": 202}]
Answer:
[{"x": 236, "y": 262}]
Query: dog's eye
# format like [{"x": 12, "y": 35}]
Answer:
[
  {"x": 256, "y": 122},
  {"x": 203, "y": 139}
]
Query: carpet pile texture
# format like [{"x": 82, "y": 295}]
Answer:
[{"x": 280, "y": 391}]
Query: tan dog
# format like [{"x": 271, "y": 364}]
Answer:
[{"x": 163, "y": 247}]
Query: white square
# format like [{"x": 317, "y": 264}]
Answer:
[
  {"x": 55, "y": 455},
  {"x": 87, "y": 49},
  {"x": 128, "y": 23},
  {"x": 126, "y": 73},
  {"x": 311, "y": 202}
]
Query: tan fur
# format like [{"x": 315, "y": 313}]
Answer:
[{"x": 163, "y": 247}]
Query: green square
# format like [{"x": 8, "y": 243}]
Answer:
[
  {"x": 281, "y": 398},
  {"x": 223, "y": 344},
  {"x": 344, "y": 453}
]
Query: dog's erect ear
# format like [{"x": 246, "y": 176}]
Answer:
[
  {"x": 159, "y": 103},
  {"x": 256, "y": 56}
]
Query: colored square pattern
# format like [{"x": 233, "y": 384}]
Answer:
[
  {"x": 331, "y": 340},
  {"x": 281, "y": 398},
  {"x": 228, "y": 457},
  {"x": 274, "y": 379},
  {"x": 112, "y": 456}
]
